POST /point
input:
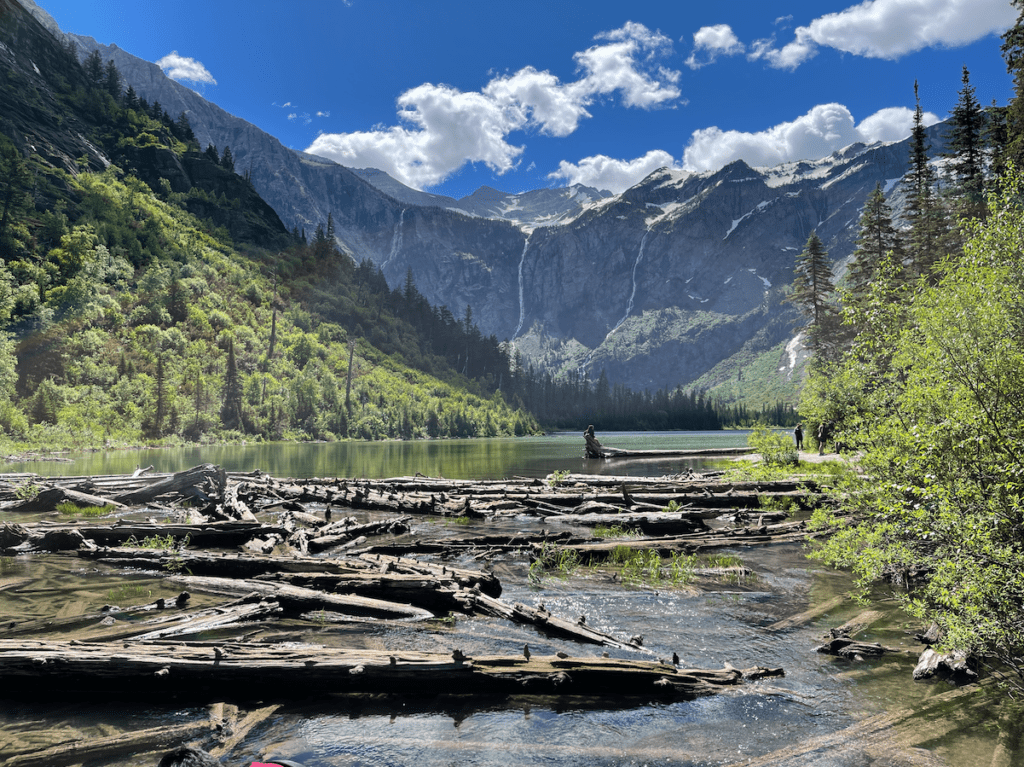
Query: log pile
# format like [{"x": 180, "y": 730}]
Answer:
[{"x": 271, "y": 551}]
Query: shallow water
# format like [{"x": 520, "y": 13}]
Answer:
[{"x": 718, "y": 623}]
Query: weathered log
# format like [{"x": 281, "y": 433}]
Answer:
[
  {"x": 475, "y": 580},
  {"x": 138, "y": 671},
  {"x": 660, "y": 523},
  {"x": 546, "y": 622},
  {"x": 807, "y": 615},
  {"x": 111, "y": 747},
  {"x": 844, "y": 647},
  {"x": 207, "y": 481},
  {"x": 299, "y": 600},
  {"x": 223, "y": 534},
  {"x": 50, "y": 498}
]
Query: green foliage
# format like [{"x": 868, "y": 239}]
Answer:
[
  {"x": 164, "y": 542},
  {"x": 775, "y": 449},
  {"x": 615, "y": 531},
  {"x": 128, "y": 593},
  {"x": 556, "y": 478},
  {"x": 933, "y": 394},
  {"x": 71, "y": 509}
]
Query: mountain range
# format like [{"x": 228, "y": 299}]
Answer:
[{"x": 677, "y": 281}]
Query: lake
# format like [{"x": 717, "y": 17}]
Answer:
[{"x": 498, "y": 458}]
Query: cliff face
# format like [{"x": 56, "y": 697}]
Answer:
[
  {"x": 657, "y": 286},
  {"x": 34, "y": 65}
]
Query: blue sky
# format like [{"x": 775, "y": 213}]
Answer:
[{"x": 447, "y": 95}]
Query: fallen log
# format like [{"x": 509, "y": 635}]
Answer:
[
  {"x": 844, "y": 647},
  {"x": 205, "y": 483},
  {"x": 297, "y": 600},
  {"x": 547, "y": 623},
  {"x": 112, "y": 747},
  {"x": 50, "y": 498},
  {"x": 142, "y": 671},
  {"x": 659, "y": 523}
]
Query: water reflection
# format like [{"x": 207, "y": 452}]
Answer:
[{"x": 453, "y": 459}]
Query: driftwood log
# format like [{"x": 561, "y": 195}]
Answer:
[{"x": 136, "y": 670}]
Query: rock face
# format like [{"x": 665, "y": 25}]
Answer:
[{"x": 656, "y": 286}]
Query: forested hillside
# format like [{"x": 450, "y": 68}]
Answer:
[{"x": 148, "y": 293}]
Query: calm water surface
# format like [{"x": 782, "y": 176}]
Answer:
[
  {"x": 452, "y": 459},
  {"x": 818, "y": 697}
]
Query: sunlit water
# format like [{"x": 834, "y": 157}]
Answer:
[
  {"x": 721, "y": 623},
  {"x": 454, "y": 459}
]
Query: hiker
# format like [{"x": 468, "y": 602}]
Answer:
[{"x": 798, "y": 435}]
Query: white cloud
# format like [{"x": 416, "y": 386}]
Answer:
[
  {"x": 888, "y": 29},
  {"x": 711, "y": 42},
  {"x": 603, "y": 172},
  {"x": 442, "y": 128},
  {"x": 823, "y": 130},
  {"x": 183, "y": 68}
]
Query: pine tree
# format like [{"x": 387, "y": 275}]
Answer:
[
  {"x": 966, "y": 150},
  {"x": 211, "y": 152},
  {"x": 877, "y": 238},
  {"x": 112, "y": 80},
  {"x": 94, "y": 68},
  {"x": 1013, "y": 54},
  {"x": 231, "y": 410},
  {"x": 925, "y": 236},
  {"x": 131, "y": 98},
  {"x": 227, "y": 161},
  {"x": 183, "y": 129},
  {"x": 813, "y": 291}
]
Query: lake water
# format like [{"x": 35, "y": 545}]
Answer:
[
  {"x": 452, "y": 459},
  {"x": 763, "y": 722}
]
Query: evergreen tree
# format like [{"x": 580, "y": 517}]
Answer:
[
  {"x": 94, "y": 68},
  {"x": 112, "y": 80},
  {"x": 227, "y": 161},
  {"x": 813, "y": 291},
  {"x": 877, "y": 237},
  {"x": 211, "y": 152},
  {"x": 966, "y": 151},
  {"x": 231, "y": 410},
  {"x": 995, "y": 137},
  {"x": 926, "y": 222},
  {"x": 131, "y": 99},
  {"x": 1013, "y": 54},
  {"x": 183, "y": 129}
]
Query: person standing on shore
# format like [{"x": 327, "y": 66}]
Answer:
[{"x": 798, "y": 435}]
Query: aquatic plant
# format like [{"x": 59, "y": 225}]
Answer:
[
  {"x": 70, "y": 509},
  {"x": 128, "y": 592},
  {"x": 615, "y": 531},
  {"x": 556, "y": 478}
]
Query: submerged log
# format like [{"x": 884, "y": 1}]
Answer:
[
  {"x": 844, "y": 647},
  {"x": 141, "y": 671}
]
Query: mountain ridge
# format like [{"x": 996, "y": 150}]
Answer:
[{"x": 657, "y": 286}]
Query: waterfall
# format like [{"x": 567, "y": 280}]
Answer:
[
  {"x": 629, "y": 306},
  {"x": 396, "y": 240},
  {"x": 522, "y": 303}
]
